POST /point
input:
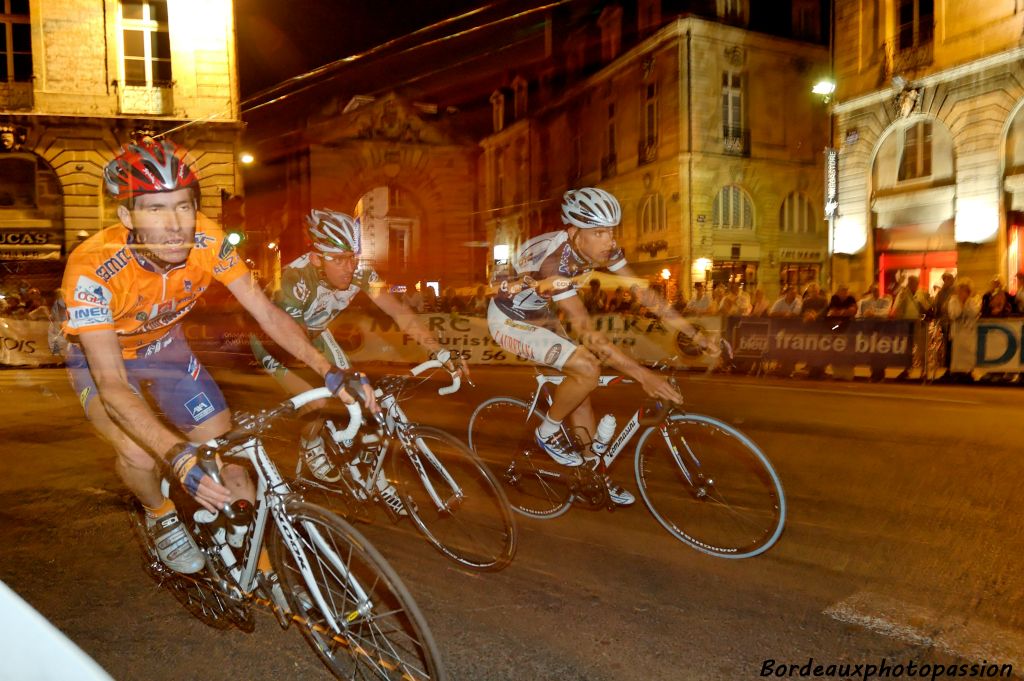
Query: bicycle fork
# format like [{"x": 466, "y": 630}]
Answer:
[{"x": 701, "y": 489}]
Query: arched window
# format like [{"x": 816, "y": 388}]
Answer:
[
  {"x": 652, "y": 214},
  {"x": 732, "y": 209},
  {"x": 797, "y": 216}
]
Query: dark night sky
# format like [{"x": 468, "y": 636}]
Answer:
[{"x": 278, "y": 39}]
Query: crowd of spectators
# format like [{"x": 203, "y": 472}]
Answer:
[{"x": 24, "y": 302}]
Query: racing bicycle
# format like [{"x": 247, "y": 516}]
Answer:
[
  {"x": 327, "y": 578},
  {"x": 703, "y": 480},
  {"x": 451, "y": 497}
]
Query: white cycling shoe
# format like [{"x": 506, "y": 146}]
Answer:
[
  {"x": 316, "y": 458},
  {"x": 174, "y": 545},
  {"x": 559, "y": 447},
  {"x": 617, "y": 494}
]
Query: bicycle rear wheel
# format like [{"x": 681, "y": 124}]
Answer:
[
  {"x": 382, "y": 635},
  {"x": 196, "y": 594},
  {"x": 718, "y": 492},
  {"x": 502, "y": 437},
  {"x": 474, "y": 525}
]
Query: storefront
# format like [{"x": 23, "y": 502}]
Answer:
[{"x": 925, "y": 251}]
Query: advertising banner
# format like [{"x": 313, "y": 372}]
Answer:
[
  {"x": 23, "y": 343},
  {"x": 827, "y": 341},
  {"x": 993, "y": 345}
]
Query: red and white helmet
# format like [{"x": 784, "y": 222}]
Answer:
[
  {"x": 147, "y": 166},
  {"x": 590, "y": 207}
]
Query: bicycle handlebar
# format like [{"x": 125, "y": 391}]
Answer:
[{"x": 434, "y": 364}]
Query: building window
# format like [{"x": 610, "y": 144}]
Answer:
[
  {"x": 653, "y": 217},
  {"x": 648, "y": 16},
  {"x": 732, "y": 209},
  {"x": 724, "y": 272},
  {"x": 147, "y": 43},
  {"x": 733, "y": 11},
  {"x": 797, "y": 215},
  {"x": 499, "y": 178},
  {"x": 916, "y": 161},
  {"x": 520, "y": 88},
  {"x": 18, "y": 188},
  {"x": 915, "y": 23},
  {"x": 732, "y": 105},
  {"x": 610, "y": 23},
  {"x": 798, "y": 274},
  {"x": 651, "y": 113},
  {"x": 611, "y": 130},
  {"x": 497, "y": 110},
  {"x": 807, "y": 20},
  {"x": 15, "y": 42}
]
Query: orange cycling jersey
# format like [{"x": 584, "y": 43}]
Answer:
[{"x": 108, "y": 285}]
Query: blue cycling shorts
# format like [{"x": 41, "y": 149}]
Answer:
[{"x": 176, "y": 380}]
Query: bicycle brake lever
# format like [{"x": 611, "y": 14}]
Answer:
[{"x": 207, "y": 460}]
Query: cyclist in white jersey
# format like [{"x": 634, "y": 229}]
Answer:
[
  {"x": 547, "y": 271},
  {"x": 317, "y": 287}
]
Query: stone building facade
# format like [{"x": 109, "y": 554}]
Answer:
[
  {"x": 930, "y": 134},
  {"x": 79, "y": 78},
  {"x": 705, "y": 131}
]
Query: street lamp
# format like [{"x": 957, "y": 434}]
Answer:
[
  {"x": 246, "y": 158},
  {"x": 824, "y": 88}
]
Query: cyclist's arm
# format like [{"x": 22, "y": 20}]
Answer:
[
  {"x": 669, "y": 315},
  {"x": 128, "y": 410},
  {"x": 595, "y": 341},
  {"x": 280, "y": 326},
  {"x": 410, "y": 324}
]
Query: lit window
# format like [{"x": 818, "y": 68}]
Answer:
[
  {"x": 733, "y": 209},
  {"x": 146, "y": 43},
  {"x": 732, "y": 105},
  {"x": 916, "y": 23},
  {"x": 916, "y": 161},
  {"x": 797, "y": 215},
  {"x": 653, "y": 217},
  {"x": 15, "y": 41}
]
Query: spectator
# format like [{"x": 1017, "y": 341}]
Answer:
[
  {"x": 595, "y": 299},
  {"x": 717, "y": 298},
  {"x": 999, "y": 304},
  {"x": 963, "y": 310},
  {"x": 615, "y": 301},
  {"x": 679, "y": 302},
  {"x": 911, "y": 303},
  {"x": 35, "y": 306},
  {"x": 759, "y": 306},
  {"x": 942, "y": 296},
  {"x": 842, "y": 304},
  {"x": 873, "y": 305},
  {"x": 477, "y": 305},
  {"x": 700, "y": 302},
  {"x": 788, "y": 304},
  {"x": 814, "y": 302},
  {"x": 449, "y": 302},
  {"x": 996, "y": 290},
  {"x": 1018, "y": 299},
  {"x": 429, "y": 297},
  {"x": 413, "y": 298}
]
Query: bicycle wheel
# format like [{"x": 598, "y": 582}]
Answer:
[
  {"x": 503, "y": 439},
  {"x": 473, "y": 525},
  {"x": 196, "y": 594},
  {"x": 721, "y": 496},
  {"x": 382, "y": 633}
]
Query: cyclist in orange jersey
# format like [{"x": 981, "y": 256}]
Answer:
[{"x": 126, "y": 290}]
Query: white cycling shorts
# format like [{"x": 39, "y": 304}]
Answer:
[{"x": 529, "y": 341}]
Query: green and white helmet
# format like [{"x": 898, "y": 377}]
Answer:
[{"x": 333, "y": 232}]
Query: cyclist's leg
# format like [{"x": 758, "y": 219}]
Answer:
[
  {"x": 571, "y": 399},
  {"x": 134, "y": 465},
  {"x": 193, "y": 402}
]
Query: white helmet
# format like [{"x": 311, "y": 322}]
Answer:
[
  {"x": 333, "y": 232},
  {"x": 590, "y": 207}
]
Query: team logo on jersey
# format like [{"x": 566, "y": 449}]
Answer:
[
  {"x": 301, "y": 290},
  {"x": 194, "y": 367},
  {"x": 142, "y": 316},
  {"x": 225, "y": 249},
  {"x": 552, "y": 354},
  {"x": 203, "y": 239},
  {"x": 162, "y": 308},
  {"x": 114, "y": 264},
  {"x": 91, "y": 292},
  {"x": 83, "y": 396},
  {"x": 188, "y": 285},
  {"x": 200, "y": 407}
]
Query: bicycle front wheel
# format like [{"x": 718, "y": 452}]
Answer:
[
  {"x": 710, "y": 486},
  {"x": 454, "y": 500},
  {"x": 367, "y": 625},
  {"x": 501, "y": 436}
]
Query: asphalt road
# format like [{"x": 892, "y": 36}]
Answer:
[{"x": 902, "y": 543}]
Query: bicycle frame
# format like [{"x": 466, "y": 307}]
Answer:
[
  {"x": 272, "y": 493},
  {"x": 624, "y": 435}
]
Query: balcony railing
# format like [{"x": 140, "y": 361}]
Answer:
[
  {"x": 155, "y": 101},
  {"x": 910, "y": 50},
  {"x": 647, "y": 151},
  {"x": 736, "y": 141},
  {"x": 609, "y": 166},
  {"x": 16, "y": 96}
]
